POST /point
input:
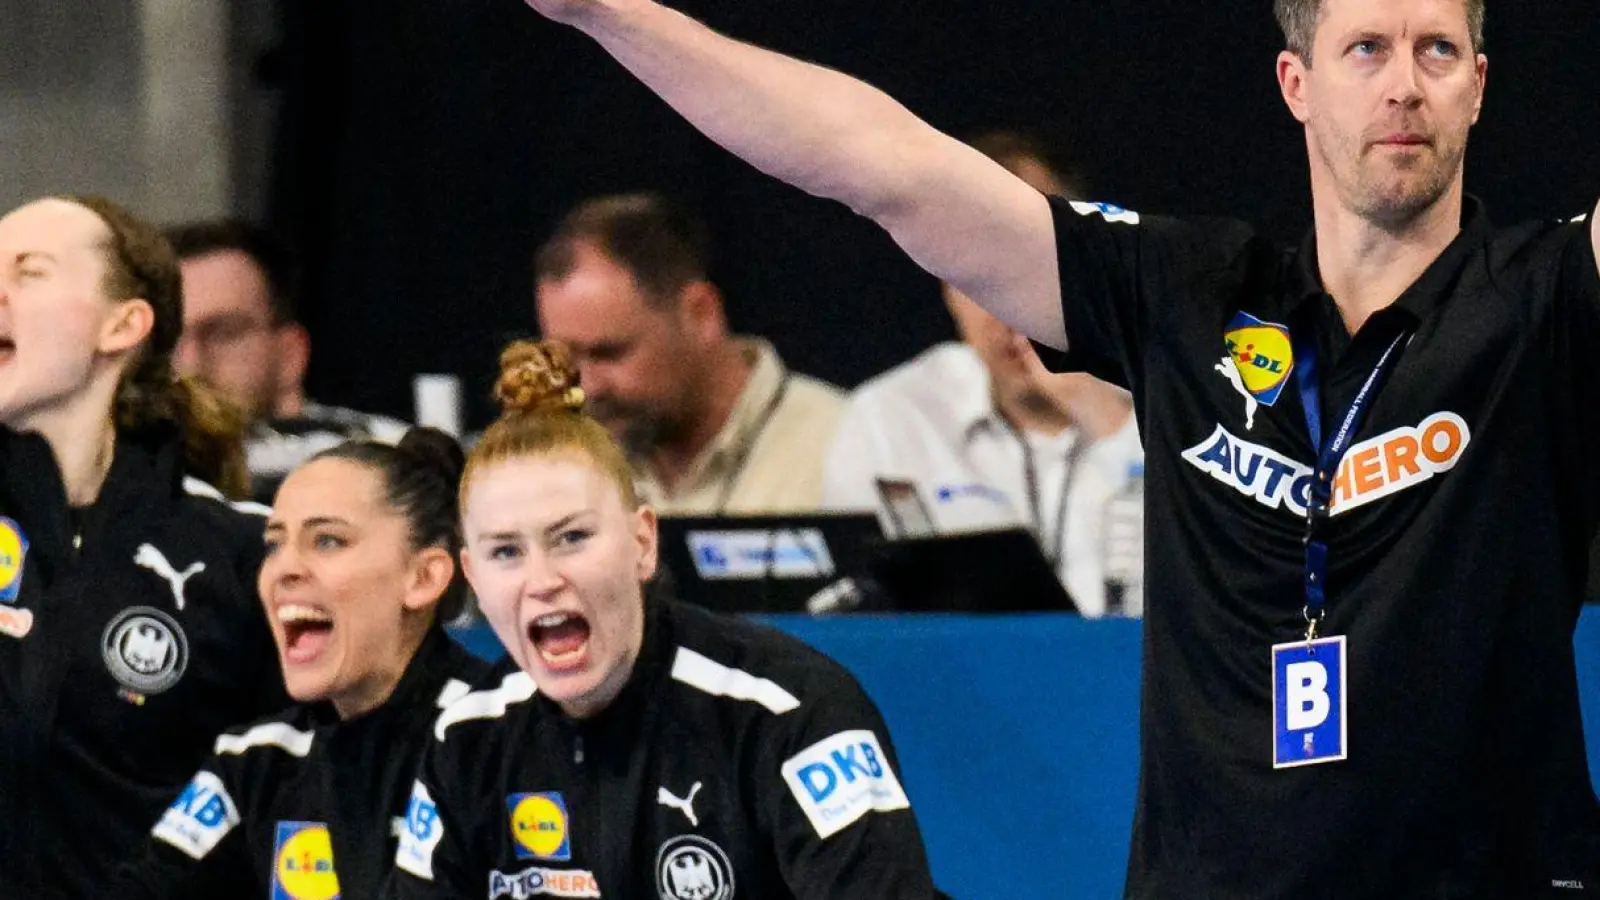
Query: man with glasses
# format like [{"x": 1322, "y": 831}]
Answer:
[{"x": 241, "y": 335}]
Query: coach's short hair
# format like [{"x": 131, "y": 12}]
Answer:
[{"x": 1299, "y": 19}]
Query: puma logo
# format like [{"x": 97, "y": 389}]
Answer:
[
  {"x": 1251, "y": 404},
  {"x": 154, "y": 560},
  {"x": 684, "y": 805}
]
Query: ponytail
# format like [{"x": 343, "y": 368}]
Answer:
[
  {"x": 213, "y": 436},
  {"x": 212, "y": 427}
]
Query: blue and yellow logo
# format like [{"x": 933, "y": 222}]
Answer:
[
  {"x": 1263, "y": 355},
  {"x": 539, "y": 828},
  {"x": 302, "y": 867},
  {"x": 13, "y": 552}
]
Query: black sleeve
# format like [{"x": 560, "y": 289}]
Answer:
[
  {"x": 1579, "y": 284},
  {"x": 433, "y": 860},
  {"x": 1566, "y": 268},
  {"x": 1122, "y": 273},
  {"x": 831, "y": 798},
  {"x": 197, "y": 848}
]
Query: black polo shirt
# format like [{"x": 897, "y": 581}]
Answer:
[{"x": 1457, "y": 550}]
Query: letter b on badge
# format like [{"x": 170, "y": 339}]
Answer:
[
  {"x": 1306, "y": 693},
  {"x": 1308, "y": 703}
]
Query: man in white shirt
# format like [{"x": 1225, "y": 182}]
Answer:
[{"x": 989, "y": 439}]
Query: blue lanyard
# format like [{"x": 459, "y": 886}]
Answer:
[{"x": 1329, "y": 455}]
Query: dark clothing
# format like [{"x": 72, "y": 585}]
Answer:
[
  {"x": 736, "y": 763},
  {"x": 1457, "y": 552},
  {"x": 303, "y": 803},
  {"x": 135, "y": 637}
]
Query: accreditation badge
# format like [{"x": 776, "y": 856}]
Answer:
[{"x": 1310, "y": 723}]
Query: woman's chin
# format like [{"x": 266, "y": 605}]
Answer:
[
  {"x": 575, "y": 691},
  {"x": 308, "y": 686}
]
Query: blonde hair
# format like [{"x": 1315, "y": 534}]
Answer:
[{"x": 541, "y": 415}]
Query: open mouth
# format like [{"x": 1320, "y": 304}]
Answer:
[
  {"x": 307, "y": 631},
  {"x": 560, "y": 639},
  {"x": 8, "y": 349}
]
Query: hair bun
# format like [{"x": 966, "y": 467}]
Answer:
[
  {"x": 435, "y": 449},
  {"x": 538, "y": 377}
]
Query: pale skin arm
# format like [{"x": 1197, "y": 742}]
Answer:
[
  {"x": 958, "y": 214},
  {"x": 1594, "y": 230}
]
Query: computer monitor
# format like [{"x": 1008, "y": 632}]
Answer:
[
  {"x": 968, "y": 572},
  {"x": 764, "y": 563}
]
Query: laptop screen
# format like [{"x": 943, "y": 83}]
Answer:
[{"x": 764, "y": 563}]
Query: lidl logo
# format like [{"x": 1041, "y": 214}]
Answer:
[
  {"x": 1263, "y": 355},
  {"x": 13, "y": 551},
  {"x": 303, "y": 863},
  {"x": 539, "y": 826}
]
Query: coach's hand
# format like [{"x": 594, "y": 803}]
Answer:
[{"x": 580, "y": 12}]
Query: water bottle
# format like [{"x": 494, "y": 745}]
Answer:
[{"x": 1123, "y": 546}]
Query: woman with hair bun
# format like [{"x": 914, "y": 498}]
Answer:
[
  {"x": 129, "y": 631},
  {"x": 643, "y": 747},
  {"x": 359, "y": 577}
]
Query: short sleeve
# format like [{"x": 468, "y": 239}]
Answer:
[
  {"x": 1123, "y": 276},
  {"x": 1564, "y": 264},
  {"x": 1580, "y": 273}
]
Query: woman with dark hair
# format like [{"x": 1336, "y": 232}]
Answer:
[
  {"x": 360, "y": 575},
  {"x": 129, "y": 632}
]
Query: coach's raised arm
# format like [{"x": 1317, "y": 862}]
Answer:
[
  {"x": 1594, "y": 230},
  {"x": 1370, "y": 460},
  {"x": 960, "y": 215}
]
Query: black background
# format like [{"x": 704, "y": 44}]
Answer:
[{"x": 426, "y": 146}]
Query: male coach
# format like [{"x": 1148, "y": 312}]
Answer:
[{"x": 1374, "y": 459}]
